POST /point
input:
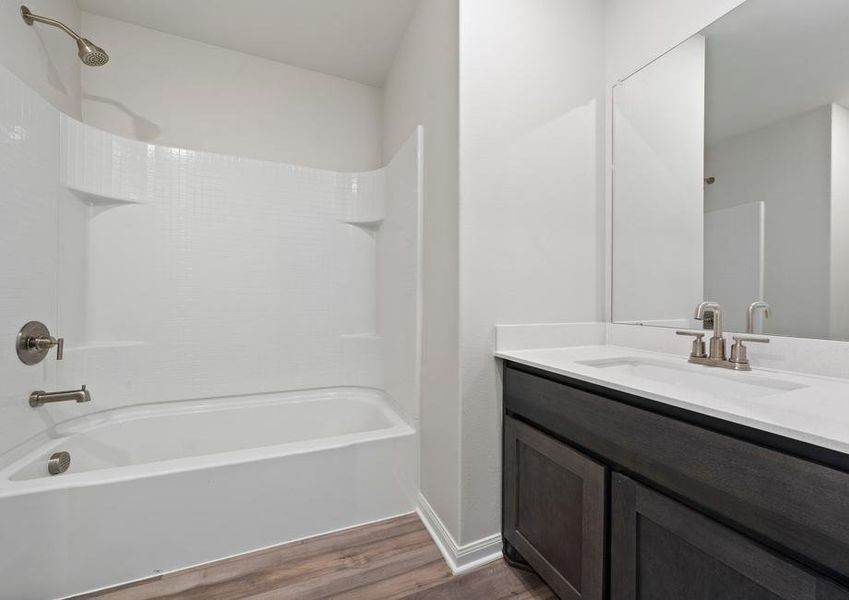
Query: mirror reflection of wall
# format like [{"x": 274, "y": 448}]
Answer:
[
  {"x": 773, "y": 222},
  {"x": 659, "y": 137}
]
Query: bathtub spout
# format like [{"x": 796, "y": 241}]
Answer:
[{"x": 40, "y": 398}]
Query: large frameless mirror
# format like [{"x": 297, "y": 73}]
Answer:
[{"x": 731, "y": 175}]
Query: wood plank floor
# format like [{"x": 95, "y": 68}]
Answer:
[{"x": 391, "y": 559}]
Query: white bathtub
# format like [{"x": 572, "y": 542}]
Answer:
[{"x": 165, "y": 486}]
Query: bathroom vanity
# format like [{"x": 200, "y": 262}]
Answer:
[{"x": 615, "y": 494}]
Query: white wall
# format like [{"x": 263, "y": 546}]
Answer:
[
  {"x": 42, "y": 56},
  {"x": 635, "y": 34},
  {"x": 787, "y": 166},
  {"x": 169, "y": 90},
  {"x": 531, "y": 77},
  {"x": 839, "y": 325},
  {"x": 734, "y": 262},
  {"x": 422, "y": 89},
  {"x": 530, "y": 242},
  {"x": 658, "y": 205}
]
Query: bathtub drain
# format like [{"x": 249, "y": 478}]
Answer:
[{"x": 58, "y": 463}]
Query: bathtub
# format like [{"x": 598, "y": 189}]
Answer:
[{"x": 161, "y": 487}]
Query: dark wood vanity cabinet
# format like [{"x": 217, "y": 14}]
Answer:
[
  {"x": 607, "y": 495},
  {"x": 554, "y": 510},
  {"x": 661, "y": 549}
]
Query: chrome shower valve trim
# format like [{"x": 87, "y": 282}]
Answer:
[{"x": 34, "y": 343}]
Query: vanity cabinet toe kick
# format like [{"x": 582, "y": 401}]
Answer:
[{"x": 608, "y": 495}]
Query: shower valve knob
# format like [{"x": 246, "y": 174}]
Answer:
[
  {"x": 34, "y": 342},
  {"x": 46, "y": 343}
]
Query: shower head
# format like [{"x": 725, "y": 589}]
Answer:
[{"x": 91, "y": 55}]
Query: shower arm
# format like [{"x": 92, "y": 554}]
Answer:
[{"x": 29, "y": 18}]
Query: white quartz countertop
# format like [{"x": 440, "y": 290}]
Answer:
[{"x": 807, "y": 408}]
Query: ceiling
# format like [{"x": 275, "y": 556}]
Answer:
[
  {"x": 354, "y": 39},
  {"x": 770, "y": 59}
]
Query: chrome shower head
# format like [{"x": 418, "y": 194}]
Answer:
[{"x": 91, "y": 55}]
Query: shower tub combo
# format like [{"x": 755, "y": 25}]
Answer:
[
  {"x": 159, "y": 487},
  {"x": 331, "y": 276}
]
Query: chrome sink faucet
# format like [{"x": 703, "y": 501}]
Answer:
[
  {"x": 717, "y": 342},
  {"x": 717, "y": 357}
]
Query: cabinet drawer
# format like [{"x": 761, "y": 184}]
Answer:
[
  {"x": 554, "y": 499},
  {"x": 793, "y": 504},
  {"x": 661, "y": 549}
]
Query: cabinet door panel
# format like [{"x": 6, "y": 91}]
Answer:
[
  {"x": 554, "y": 499},
  {"x": 661, "y": 549}
]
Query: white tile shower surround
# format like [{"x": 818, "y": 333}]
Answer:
[
  {"x": 188, "y": 276},
  {"x": 246, "y": 276},
  {"x": 29, "y": 172},
  {"x": 184, "y": 274},
  {"x": 813, "y": 409}
]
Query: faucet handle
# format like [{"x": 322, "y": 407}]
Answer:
[
  {"x": 698, "y": 350},
  {"x": 34, "y": 342},
  {"x": 695, "y": 334},
  {"x": 739, "y": 352},
  {"x": 760, "y": 339},
  {"x": 47, "y": 342}
]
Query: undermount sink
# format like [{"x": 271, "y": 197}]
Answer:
[{"x": 698, "y": 379}]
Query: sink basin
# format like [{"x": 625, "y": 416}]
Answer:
[{"x": 699, "y": 380}]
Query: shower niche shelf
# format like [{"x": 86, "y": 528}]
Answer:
[
  {"x": 102, "y": 168},
  {"x": 365, "y": 222},
  {"x": 366, "y": 200},
  {"x": 98, "y": 201}
]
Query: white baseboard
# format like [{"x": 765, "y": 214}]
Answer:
[{"x": 459, "y": 558}]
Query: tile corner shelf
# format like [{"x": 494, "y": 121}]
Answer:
[
  {"x": 365, "y": 222},
  {"x": 100, "y": 200}
]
